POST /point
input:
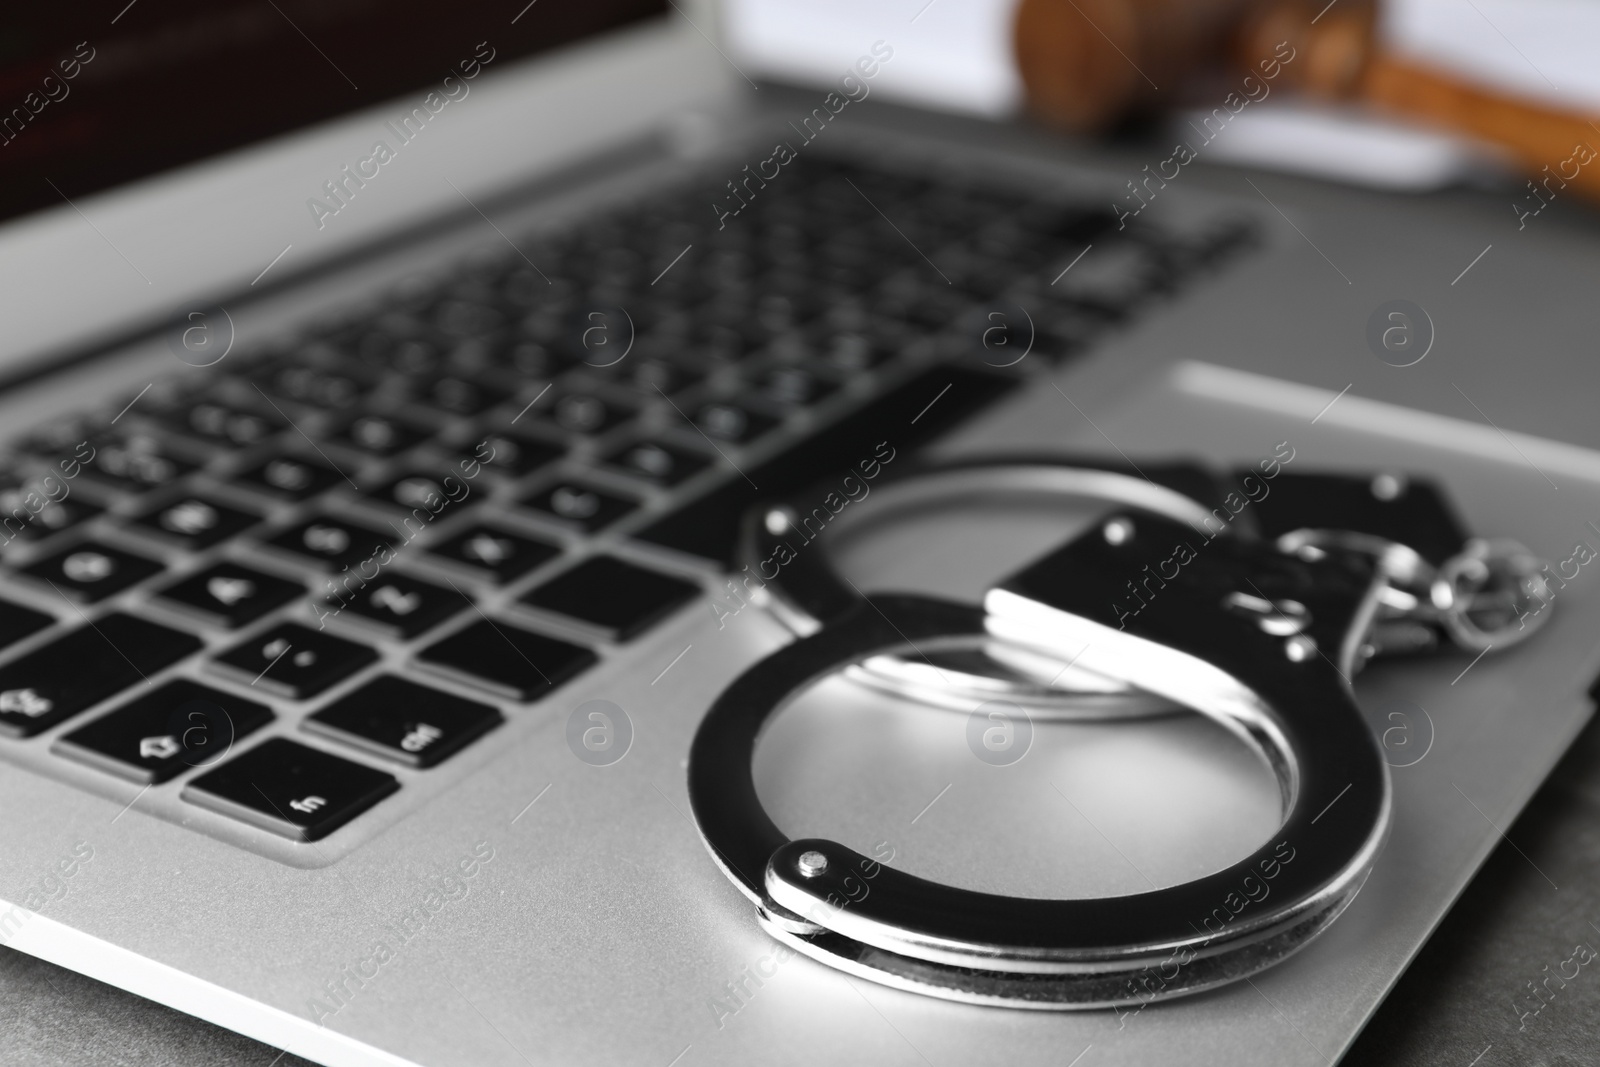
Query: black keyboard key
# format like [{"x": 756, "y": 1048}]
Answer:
[
  {"x": 656, "y": 463},
  {"x": 17, "y": 622},
  {"x": 504, "y": 556},
  {"x": 406, "y": 722},
  {"x": 289, "y": 789},
  {"x": 223, "y": 424},
  {"x": 35, "y": 510},
  {"x": 135, "y": 463},
  {"x": 460, "y": 396},
  {"x": 723, "y": 420},
  {"x": 428, "y": 492},
  {"x": 64, "y": 441},
  {"x": 155, "y": 737},
  {"x": 316, "y": 387},
  {"x": 579, "y": 505},
  {"x": 229, "y": 596},
  {"x": 507, "y": 659},
  {"x": 397, "y": 605},
  {"x": 295, "y": 660},
  {"x": 914, "y": 412},
  {"x": 619, "y": 598},
  {"x": 791, "y": 388},
  {"x": 581, "y": 412},
  {"x": 381, "y": 435},
  {"x": 82, "y": 668},
  {"x": 92, "y": 571},
  {"x": 332, "y": 542},
  {"x": 723, "y": 336},
  {"x": 49, "y": 520},
  {"x": 381, "y": 351},
  {"x": 651, "y": 378},
  {"x": 531, "y": 359},
  {"x": 289, "y": 478},
  {"x": 1113, "y": 278},
  {"x": 512, "y": 454},
  {"x": 468, "y": 318},
  {"x": 196, "y": 523},
  {"x": 852, "y": 352}
]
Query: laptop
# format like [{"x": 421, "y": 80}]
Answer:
[{"x": 385, "y": 405}]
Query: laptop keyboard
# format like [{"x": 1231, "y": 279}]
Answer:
[{"x": 425, "y": 494}]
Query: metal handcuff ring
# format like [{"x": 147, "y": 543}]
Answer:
[
  {"x": 1275, "y": 676},
  {"x": 808, "y": 590},
  {"x": 1468, "y": 589},
  {"x": 1261, "y": 633}
]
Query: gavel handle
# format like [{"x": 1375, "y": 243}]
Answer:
[
  {"x": 1343, "y": 58},
  {"x": 1558, "y": 148}
]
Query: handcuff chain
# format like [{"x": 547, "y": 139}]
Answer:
[{"x": 1490, "y": 594}]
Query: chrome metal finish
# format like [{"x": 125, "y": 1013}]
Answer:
[
  {"x": 1486, "y": 588},
  {"x": 1247, "y": 661},
  {"x": 809, "y": 590},
  {"x": 1492, "y": 592},
  {"x": 811, "y": 863}
]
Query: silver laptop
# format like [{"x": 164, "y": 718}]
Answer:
[{"x": 384, "y": 408}]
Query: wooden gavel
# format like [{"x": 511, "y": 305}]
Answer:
[{"x": 1088, "y": 64}]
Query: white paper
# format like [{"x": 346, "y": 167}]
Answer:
[
  {"x": 1540, "y": 49},
  {"x": 949, "y": 54}
]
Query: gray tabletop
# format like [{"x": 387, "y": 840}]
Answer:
[{"x": 1471, "y": 992}]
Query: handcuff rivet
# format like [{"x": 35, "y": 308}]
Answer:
[
  {"x": 1118, "y": 531},
  {"x": 812, "y": 863},
  {"x": 1299, "y": 648},
  {"x": 1388, "y": 486},
  {"x": 776, "y": 521}
]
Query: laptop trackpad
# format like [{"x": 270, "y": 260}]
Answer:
[{"x": 958, "y": 548}]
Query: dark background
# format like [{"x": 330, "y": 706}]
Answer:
[{"x": 173, "y": 81}]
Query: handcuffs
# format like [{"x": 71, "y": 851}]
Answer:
[{"x": 1188, "y": 593}]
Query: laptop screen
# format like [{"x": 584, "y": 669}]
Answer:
[{"x": 98, "y": 93}]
